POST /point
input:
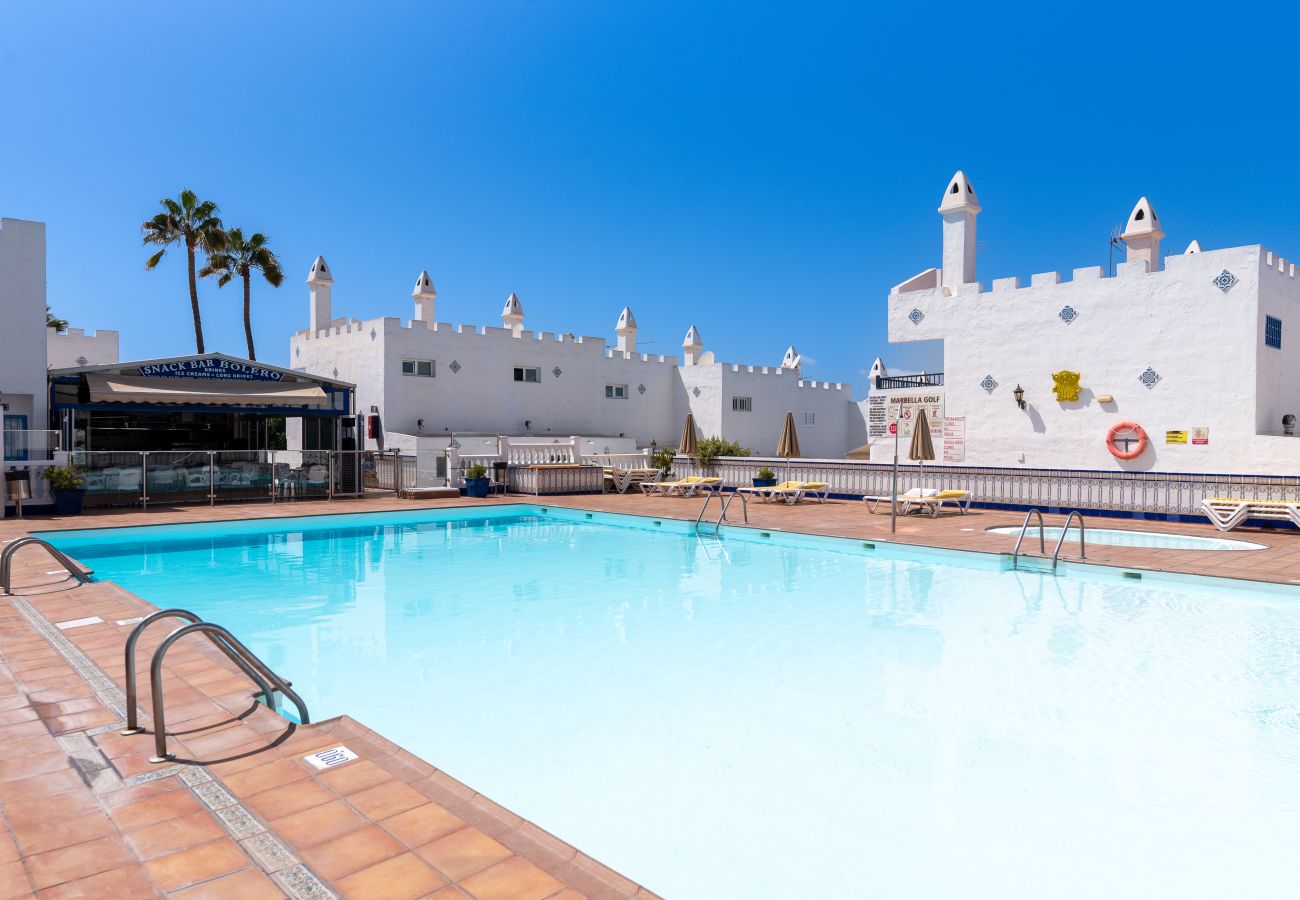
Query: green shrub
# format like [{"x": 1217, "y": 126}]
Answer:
[
  {"x": 64, "y": 478},
  {"x": 476, "y": 472},
  {"x": 711, "y": 448},
  {"x": 663, "y": 461},
  {"x": 765, "y": 473}
]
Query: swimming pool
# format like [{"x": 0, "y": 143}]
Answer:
[
  {"x": 782, "y": 716},
  {"x": 1115, "y": 537}
]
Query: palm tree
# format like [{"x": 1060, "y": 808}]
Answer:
[
  {"x": 240, "y": 257},
  {"x": 53, "y": 321},
  {"x": 194, "y": 224}
]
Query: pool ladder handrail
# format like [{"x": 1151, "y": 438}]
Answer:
[
  {"x": 725, "y": 502},
  {"x": 268, "y": 683},
  {"x": 1065, "y": 530},
  {"x": 1042, "y": 543},
  {"x": 1060, "y": 541},
  {"x": 6, "y": 560}
]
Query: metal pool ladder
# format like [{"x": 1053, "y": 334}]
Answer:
[
  {"x": 6, "y": 560},
  {"x": 725, "y": 502},
  {"x": 268, "y": 683},
  {"x": 1060, "y": 541}
]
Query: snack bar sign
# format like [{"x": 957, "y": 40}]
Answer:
[{"x": 212, "y": 369}]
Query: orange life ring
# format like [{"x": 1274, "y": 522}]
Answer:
[{"x": 1132, "y": 453}]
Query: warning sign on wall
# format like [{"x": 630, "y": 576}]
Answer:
[
  {"x": 882, "y": 409},
  {"x": 1201, "y": 435},
  {"x": 954, "y": 439},
  {"x": 1175, "y": 437}
]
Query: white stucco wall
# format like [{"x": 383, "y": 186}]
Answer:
[
  {"x": 1206, "y": 345},
  {"x": 74, "y": 347},
  {"x": 474, "y": 389},
  {"x": 22, "y": 319}
]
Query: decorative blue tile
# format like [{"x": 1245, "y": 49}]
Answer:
[
  {"x": 336, "y": 371},
  {"x": 455, "y": 367},
  {"x": 1225, "y": 280},
  {"x": 557, "y": 372},
  {"x": 1069, "y": 314},
  {"x": 297, "y": 352},
  {"x": 81, "y": 361},
  {"x": 695, "y": 391},
  {"x": 988, "y": 383},
  {"x": 916, "y": 316},
  {"x": 1149, "y": 377},
  {"x": 640, "y": 388},
  {"x": 373, "y": 334}
]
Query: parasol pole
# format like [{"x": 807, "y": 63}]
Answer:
[{"x": 893, "y": 491}]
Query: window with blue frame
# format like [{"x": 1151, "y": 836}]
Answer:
[{"x": 1272, "y": 332}]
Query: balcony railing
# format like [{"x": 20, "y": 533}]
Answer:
[{"x": 932, "y": 379}]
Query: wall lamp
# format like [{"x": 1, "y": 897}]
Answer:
[{"x": 1019, "y": 394}]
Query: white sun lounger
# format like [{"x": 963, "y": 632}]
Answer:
[
  {"x": 1228, "y": 512},
  {"x": 914, "y": 495}
]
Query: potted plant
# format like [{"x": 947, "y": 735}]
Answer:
[
  {"x": 765, "y": 478},
  {"x": 476, "y": 482},
  {"x": 68, "y": 484},
  {"x": 663, "y": 461}
]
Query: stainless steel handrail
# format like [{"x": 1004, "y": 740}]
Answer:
[
  {"x": 6, "y": 560},
  {"x": 248, "y": 662},
  {"x": 132, "y": 689},
  {"x": 1065, "y": 529},
  {"x": 725, "y": 502},
  {"x": 707, "y": 501},
  {"x": 1042, "y": 543}
]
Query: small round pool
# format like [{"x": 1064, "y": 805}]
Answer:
[{"x": 1116, "y": 538}]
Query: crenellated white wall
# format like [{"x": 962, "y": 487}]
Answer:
[
  {"x": 1206, "y": 344},
  {"x": 74, "y": 347},
  {"x": 481, "y": 395}
]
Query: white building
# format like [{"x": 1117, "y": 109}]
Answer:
[
  {"x": 425, "y": 377},
  {"x": 23, "y": 392},
  {"x": 1194, "y": 347},
  {"x": 74, "y": 347}
]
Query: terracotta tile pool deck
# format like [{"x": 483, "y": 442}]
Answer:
[{"x": 240, "y": 813}]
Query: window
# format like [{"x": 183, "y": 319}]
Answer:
[
  {"x": 420, "y": 367},
  {"x": 807, "y": 417},
  {"x": 1272, "y": 332},
  {"x": 616, "y": 392},
  {"x": 742, "y": 404},
  {"x": 528, "y": 374}
]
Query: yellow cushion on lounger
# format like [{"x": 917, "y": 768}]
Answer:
[{"x": 950, "y": 495}]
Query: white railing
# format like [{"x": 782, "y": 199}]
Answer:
[
  {"x": 618, "y": 460},
  {"x": 1165, "y": 493}
]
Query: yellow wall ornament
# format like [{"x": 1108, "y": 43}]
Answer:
[{"x": 1065, "y": 385}]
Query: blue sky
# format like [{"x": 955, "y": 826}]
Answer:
[{"x": 765, "y": 172}]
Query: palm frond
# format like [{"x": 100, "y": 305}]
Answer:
[
  {"x": 153, "y": 261},
  {"x": 188, "y": 200}
]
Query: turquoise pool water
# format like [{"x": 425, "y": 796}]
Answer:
[
  {"x": 778, "y": 716},
  {"x": 1118, "y": 537}
]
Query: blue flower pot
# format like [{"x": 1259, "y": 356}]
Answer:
[
  {"x": 68, "y": 503},
  {"x": 477, "y": 487},
  {"x": 764, "y": 482}
]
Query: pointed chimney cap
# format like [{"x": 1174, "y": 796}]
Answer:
[
  {"x": 1142, "y": 222},
  {"x": 513, "y": 307},
  {"x": 320, "y": 273},
  {"x": 626, "y": 321},
  {"x": 1193, "y": 247},
  {"x": 878, "y": 368},
  {"x": 959, "y": 195},
  {"x": 692, "y": 338},
  {"x": 424, "y": 286}
]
